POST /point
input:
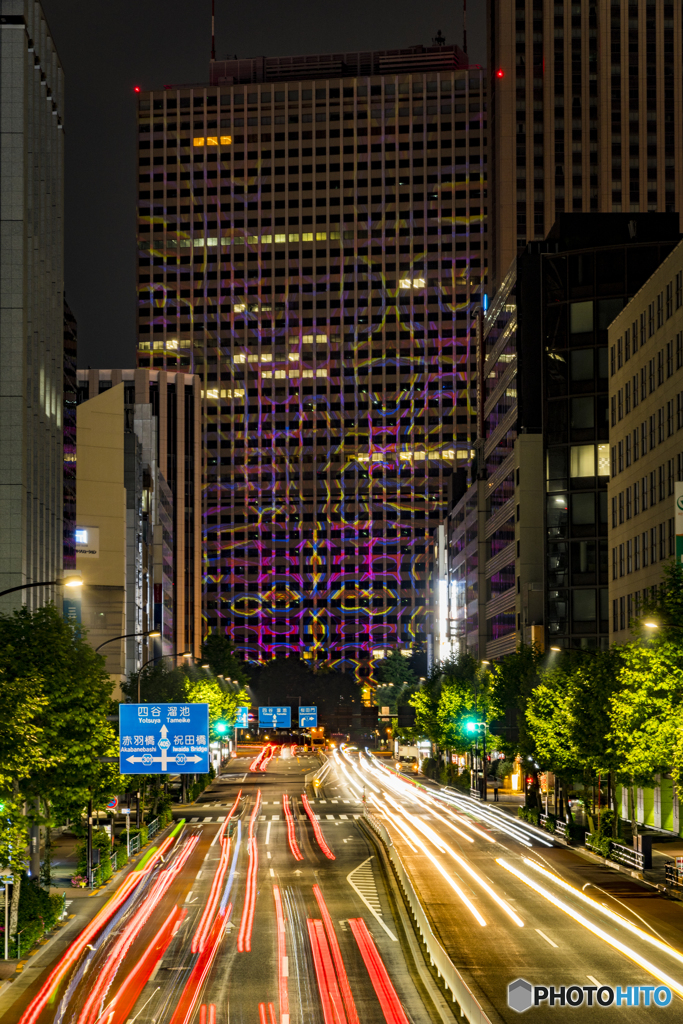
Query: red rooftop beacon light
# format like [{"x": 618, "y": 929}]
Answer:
[
  {"x": 136, "y": 88},
  {"x": 500, "y": 73}
]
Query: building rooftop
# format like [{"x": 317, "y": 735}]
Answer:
[{"x": 337, "y": 65}]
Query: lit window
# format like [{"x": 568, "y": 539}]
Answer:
[
  {"x": 603, "y": 460},
  {"x": 212, "y": 140},
  {"x": 198, "y": 142},
  {"x": 226, "y": 140}
]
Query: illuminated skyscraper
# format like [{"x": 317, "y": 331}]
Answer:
[
  {"x": 585, "y": 114},
  {"x": 311, "y": 243}
]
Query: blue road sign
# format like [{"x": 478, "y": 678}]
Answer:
[
  {"x": 275, "y": 718},
  {"x": 159, "y": 739},
  {"x": 308, "y": 717},
  {"x": 242, "y": 720}
]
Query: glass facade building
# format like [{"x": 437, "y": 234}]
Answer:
[{"x": 312, "y": 244}]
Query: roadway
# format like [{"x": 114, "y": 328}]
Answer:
[
  {"x": 506, "y": 901},
  {"x": 245, "y": 917}
]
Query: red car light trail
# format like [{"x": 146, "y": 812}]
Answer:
[
  {"x": 316, "y": 829},
  {"x": 291, "y": 835}
]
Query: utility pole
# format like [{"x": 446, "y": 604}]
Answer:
[{"x": 89, "y": 843}]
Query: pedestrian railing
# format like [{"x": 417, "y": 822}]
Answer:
[
  {"x": 626, "y": 855},
  {"x": 618, "y": 852},
  {"x": 674, "y": 876},
  {"x": 446, "y": 969},
  {"x": 153, "y": 828},
  {"x": 135, "y": 844}
]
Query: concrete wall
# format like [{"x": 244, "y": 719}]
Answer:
[{"x": 101, "y": 503}]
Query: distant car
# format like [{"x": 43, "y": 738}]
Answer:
[{"x": 407, "y": 763}]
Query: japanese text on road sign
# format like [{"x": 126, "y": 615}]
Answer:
[
  {"x": 308, "y": 717},
  {"x": 159, "y": 739},
  {"x": 275, "y": 718}
]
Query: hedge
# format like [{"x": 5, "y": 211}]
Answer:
[{"x": 39, "y": 912}]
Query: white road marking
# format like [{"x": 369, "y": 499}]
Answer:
[
  {"x": 268, "y": 835},
  {"x": 362, "y": 881},
  {"x": 549, "y": 941},
  {"x": 198, "y": 875},
  {"x": 272, "y": 873}
]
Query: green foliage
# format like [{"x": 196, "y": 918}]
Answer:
[
  {"x": 21, "y": 736},
  {"x": 77, "y": 698},
  {"x": 455, "y": 692},
  {"x": 647, "y": 711},
  {"x": 529, "y": 814},
  {"x": 13, "y": 835},
  {"x": 397, "y": 682},
  {"x": 39, "y": 912},
  {"x": 219, "y": 654},
  {"x": 514, "y": 679}
]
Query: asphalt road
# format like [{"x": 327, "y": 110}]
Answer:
[
  {"x": 266, "y": 961},
  {"x": 512, "y": 930}
]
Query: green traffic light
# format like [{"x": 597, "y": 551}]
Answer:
[{"x": 221, "y": 727}]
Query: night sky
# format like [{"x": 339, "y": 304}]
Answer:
[{"x": 108, "y": 46}]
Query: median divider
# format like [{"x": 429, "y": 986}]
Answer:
[
  {"x": 445, "y": 968},
  {"x": 320, "y": 772}
]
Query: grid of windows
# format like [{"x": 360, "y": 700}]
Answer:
[{"x": 319, "y": 272}]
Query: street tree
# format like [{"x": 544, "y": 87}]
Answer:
[
  {"x": 73, "y": 703},
  {"x": 219, "y": 654}
]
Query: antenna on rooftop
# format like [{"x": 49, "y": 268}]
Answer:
[
  {"x": 464, "y": 26},
  {"x": 213, "y": 29},
  {"x": 438, "y": 39}
]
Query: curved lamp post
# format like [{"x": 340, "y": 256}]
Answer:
[
  {"x": 63, "y": 581},
  {"x": 127, "y": 636},
  {"x": 158, "y": 657}
]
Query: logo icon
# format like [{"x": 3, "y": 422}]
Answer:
[
  {"x": 679, "y": 503},
  {"x": 520, "y": 995}
]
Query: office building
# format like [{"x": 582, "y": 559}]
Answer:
[
  {"x": 162, "y": 411},
  {"x": 585, "y": 113},
  {"x": 311, "y": 243},
  {"x": 646, "y": 443},
  {"x": 121, "y": 502},
  {"x": 523, "y": 555},
  {"x": 32, "y": 310},
  {"x": 70, "y": 391}
]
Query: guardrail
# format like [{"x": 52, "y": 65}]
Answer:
[
  {"x": 319, "y": 773},
  {"x": 446, "y": 969},
  {"x": 153, "y": 828},
  {"x": 135, "y": 844}
]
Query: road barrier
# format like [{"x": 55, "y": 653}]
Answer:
[
  {"x": 452, "y": 979},
  {"x": 319, "y": 773}
]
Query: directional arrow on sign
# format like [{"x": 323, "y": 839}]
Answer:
[{"x": 164, "y": 759}]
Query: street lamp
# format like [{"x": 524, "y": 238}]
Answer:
[
  {"x": 125, "y": 636},
  {"x": 72, "y": 580},
  {"x": 158, "y": 657}
]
